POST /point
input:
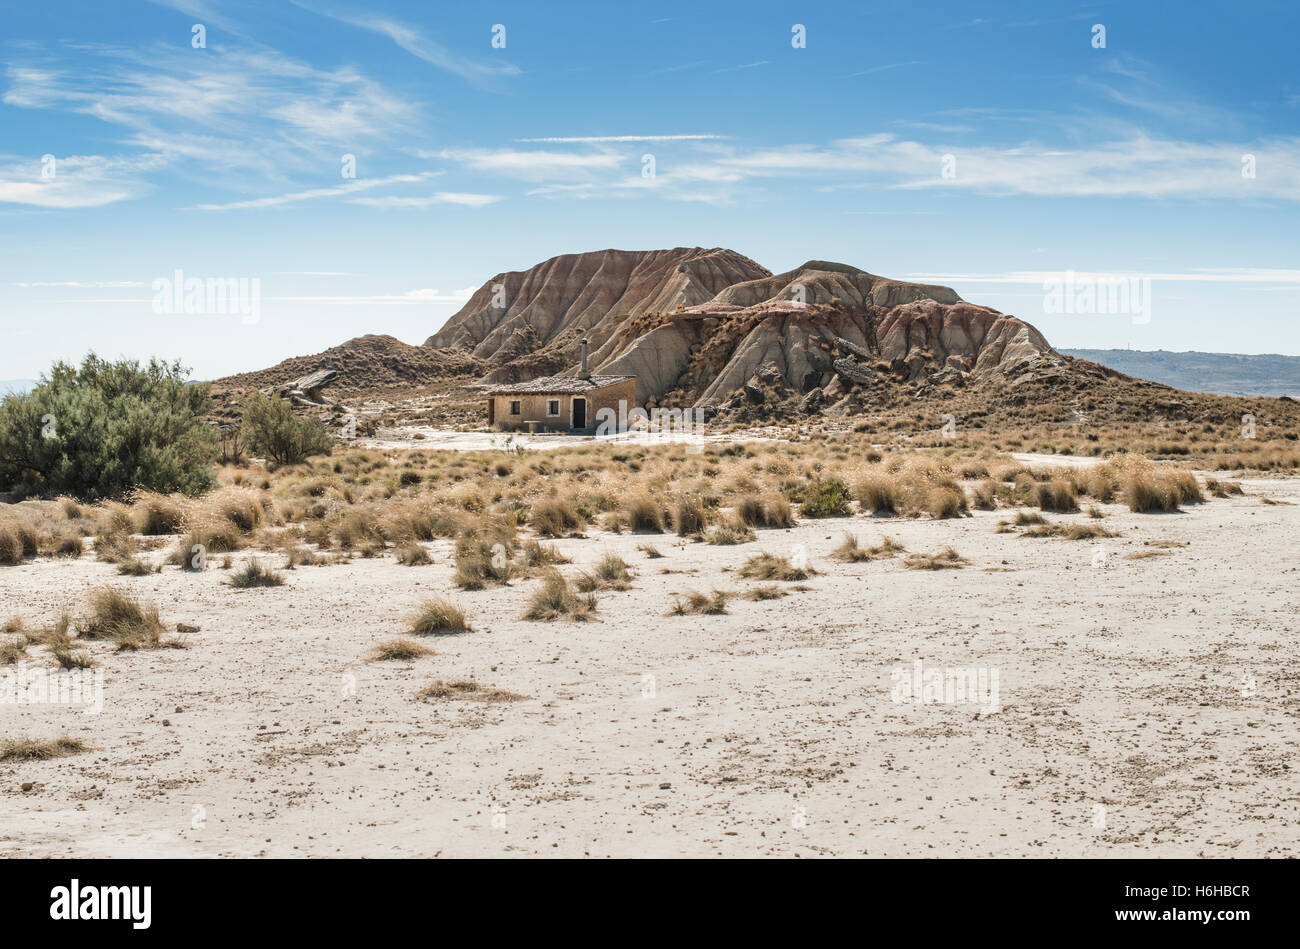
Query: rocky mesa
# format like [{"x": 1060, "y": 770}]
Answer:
[{"x": 697, "y": 326}]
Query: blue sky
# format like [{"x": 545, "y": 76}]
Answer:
[{"x": 227, "y": 161}]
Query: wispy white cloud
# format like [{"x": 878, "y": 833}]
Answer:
[
  {"x": 761, "y": 62},
  {"x": 415, "y": 43},
  {"x": 76, "y": 181},
  {"x": 624, "y": 138},
  {"x": 534, "y": 165},
  {"x": 1194, "y": 275},
  {"x": 885, "y": 67},
  {"x": 348, "y": 187},
  {"x": 425, "y": 201},
  {"x": 85, "y": 284}
]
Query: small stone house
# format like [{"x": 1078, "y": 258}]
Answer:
[{"x": 561, "y": 403}]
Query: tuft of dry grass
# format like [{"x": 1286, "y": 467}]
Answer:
[
  {"x": 255, "y": 574},
  {"x": 555, "y": 599},
  {"x": 13, "y": 651},
  {"x": 437, "y": 616},
  {"x": 480, "y": 561},
  {"x": 688, "y": 516},
  {"x": 412, "y": 555},
  {"x": 766, "y": 566},
  {"x": 767, "y": 593},
  {"x": 556, "y": 517},
  {"x": 400, "y": 649},
  {"x": 612, "y": 573},
  {"x": 1223, "y": 489},
  {"x": 118, "y": 617},
  {"x": 729, "y": 532},
  {"x": 67, "y": 659},
  {"x": 851, "y": 551},
  {"x": 651, "y": 552},
  {"x": 946, "y": 559},
  {"x": 466, "y": 689},
  {"x": 135, "y": 567},
  {"x": 695, "y": 603},
  {"x": 155, "y": 514},
  {"x": 640, "y": 513},
  {"x": 1056, "y": 496},
  {"x": 31, "y": 749}
]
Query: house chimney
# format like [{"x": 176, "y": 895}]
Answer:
[{"x": 584, "y": 374}]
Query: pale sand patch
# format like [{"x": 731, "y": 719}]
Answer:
[{"x": 1161, "y": 689}]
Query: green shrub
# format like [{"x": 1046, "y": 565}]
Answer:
[
  {"x": 827, "y": 498},
  {"x": 108, "y": 428},
  {"x": 272, "y": 430}
]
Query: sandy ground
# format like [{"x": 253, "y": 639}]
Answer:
[{"x": 1146, "y": 706}]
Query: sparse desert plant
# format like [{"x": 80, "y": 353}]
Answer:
[
  {"x": 437, "y": 616},
  {"x": 985, "y": 495},
  {"x": 67, "y": 659},
  {"x": 942, "y": 501},
  {"x": 945, "y": 559},
  {"x": 767, "y": 593},
  {"x": 827, "y": 497},
  {"x": 556, "y": 517},
  {"x": 412, "y": 555},
  {"x": 155, "y": 513},
  {"x": 302, "y": 557},
  {"x": 766, "y": 566},
  {"x": 878, "y": 493},
  {"x": 255, "y": 574},
  {"x": 850, "y": 549},
  {"x": 534, "y": 556},
  {"x": 271, "y": 429},
  {"x": 466, "y": 689},
  {"x": 651, "y": 552},
  {"x": 30, "y": 749},
  {"x": 555, "y": 599},
  {"x": 729, "y": 532},
  {"x": 695, "y": 603},
  {"x": 118, "y": 617},
  {"x": 114, "y": 546},
  {"x": 13, "y": 650},
  {"x": 134, "y": 567},
  {"x": 688, "y": 516},
  {"x": 1055, "y": 496},
  {"x": 1223, "y": 489},
  {"x": 772, "y": 510},
  {"x": 398, "y": 649},
  {"x": 641, "y": 514},
  {"x": 612, "y": 573},
  {"x": 480, "y": 562}
]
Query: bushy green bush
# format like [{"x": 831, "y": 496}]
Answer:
[
  {"x": 106, "y": 428},
  {"x": 272, "y": 430}
]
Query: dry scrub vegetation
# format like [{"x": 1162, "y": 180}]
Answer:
[{"x": 500, "y": 510}]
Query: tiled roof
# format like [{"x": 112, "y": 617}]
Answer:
[{"x": 558, "y": 385}]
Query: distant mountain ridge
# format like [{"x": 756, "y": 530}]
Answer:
[{"x": 1217, "y": 373}]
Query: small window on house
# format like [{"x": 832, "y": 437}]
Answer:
[
  {"x": 552, "y": 406},
  {"x": 514, "y": 406}
]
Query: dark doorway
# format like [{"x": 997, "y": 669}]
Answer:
[{"x": 579, "y": 413}]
